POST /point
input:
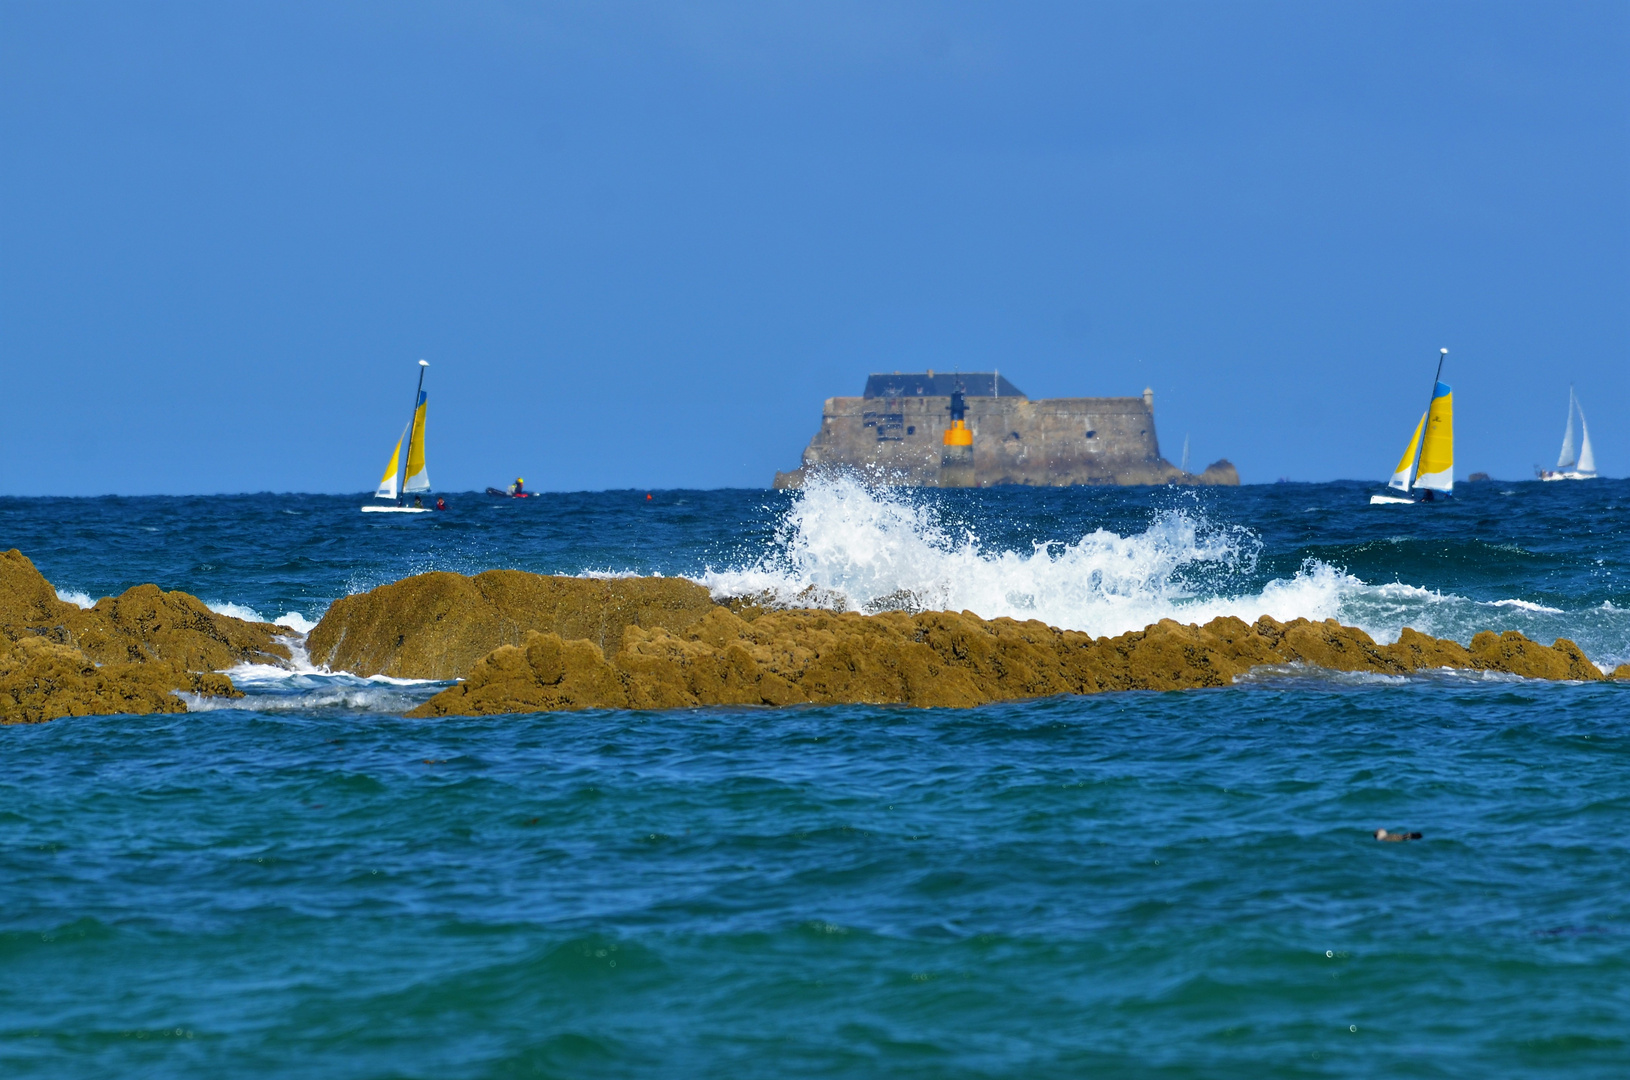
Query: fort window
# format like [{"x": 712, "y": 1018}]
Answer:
[
  {"x": 1092, "y": 434},
  {"x": 911, "y": 430},
  {"x": 889, "y": 425}
]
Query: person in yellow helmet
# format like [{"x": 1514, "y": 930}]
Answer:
[{"x": 518, "y": 488}]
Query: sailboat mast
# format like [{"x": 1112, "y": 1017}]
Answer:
[
  {"x": 412, "y": 416},
  {"x": 1415, "y": 470}
]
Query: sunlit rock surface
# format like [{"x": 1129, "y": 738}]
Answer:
[
  {"x": 654, "y": 643},
  {"x": 128, "y": 654}
]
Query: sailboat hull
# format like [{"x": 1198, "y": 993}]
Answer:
[
  {"x": 397, "y": 510},
  {"x": 1547, "y": 474},
  {"x": 1377, "y": 500}
]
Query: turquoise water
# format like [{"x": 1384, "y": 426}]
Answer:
[{"x": 1179, "y": 884}]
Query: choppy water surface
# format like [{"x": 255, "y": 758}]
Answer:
[{"x": 1183, "y": 884}]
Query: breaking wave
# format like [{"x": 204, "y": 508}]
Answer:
[
  {"x": 847, "y": 545},
  {"x": 302, "y": 687},
  {"x": 305, "y": 692},
  {"x": 292, "y": 619},
  {"x": 235, "y": 611}
]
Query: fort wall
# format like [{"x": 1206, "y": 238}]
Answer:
[{"x": 1047, "y": 442}]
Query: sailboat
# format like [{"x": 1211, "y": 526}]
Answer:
[
  {"x": 413, "y": 474},
  {"x": 1569, "y": 466},
  {"x": 1433, "y": 470}
]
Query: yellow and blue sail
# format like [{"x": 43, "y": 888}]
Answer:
[
  {"x": 1437, "y": 468},
  {"x": 418, "y": 477}
]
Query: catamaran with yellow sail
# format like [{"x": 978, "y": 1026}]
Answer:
[
  {"x": 1428, "y": 464},
  {"x": 413, "y": 474}
]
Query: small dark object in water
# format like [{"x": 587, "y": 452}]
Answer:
[{"x": 1396, "y": 837}]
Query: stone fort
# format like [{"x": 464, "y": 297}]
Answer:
[{"x": 900, "y": 431}]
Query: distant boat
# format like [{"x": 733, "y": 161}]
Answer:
[
  {"x": 411, "y": 476},
  {"x": 1433, "y": 470},
  {"x": 1568, "y": 465}
]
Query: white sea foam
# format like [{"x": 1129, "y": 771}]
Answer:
[
  {"x": 302, "y": 686},
  {"x": 308, "y": 692},
  {"x": 1524, "y": 605},
  {"x": 296, "y": 622},
  {"x": 846, "y": 545},
  {"x": 78, "y": 599},
  {"x": 865, "y": 549},
  {"x": 292, "y": 619},
  {"x": 234, "y": 611}
]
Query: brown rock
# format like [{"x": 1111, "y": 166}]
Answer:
[
  {"x": 1415, "y": 651},
  {"x": 41, "y": 679},
  {"x": 938, "y": 659},
  {"x": 128, "y": 654},
  {"x": 146, "y": 623},
  {"x": 28, "y": 603},
  {"x": 436, "y": 626},
  {"x": 1511, "y": 652}
]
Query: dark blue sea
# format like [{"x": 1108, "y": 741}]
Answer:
[{"x": 1183, "y": 884}]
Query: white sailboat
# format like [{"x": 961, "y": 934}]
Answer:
[
  {"x": 413, "y": 475},
  {"x": 1570, "y": 466},
  {"x": 1433, "y": 471}
]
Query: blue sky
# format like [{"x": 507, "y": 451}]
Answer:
[{"x": 640, "y": 244}]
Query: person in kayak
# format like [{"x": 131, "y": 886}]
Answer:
[{"x": 518, "y": 488}]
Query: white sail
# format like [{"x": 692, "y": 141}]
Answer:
[
  {"x": 1405, "y": 472},
  {"x": 1565, "y": 459},
  {"x": 387, "y": 483},
  {"x": 1587, "y": 456}
]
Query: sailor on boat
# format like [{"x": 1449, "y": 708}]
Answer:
[
  {"x": 1428, "y": 464},
  {"x": 518, "y": 488}
]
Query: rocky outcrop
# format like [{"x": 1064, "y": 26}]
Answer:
[
  {"x": 128, "y": 654},
  {"x": 438, "y": 625},
  {"x": 938, "y": 659},
  {"x": 41, "y": 680}
]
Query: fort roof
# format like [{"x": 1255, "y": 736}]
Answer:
[{"x": 940, "y": 384}]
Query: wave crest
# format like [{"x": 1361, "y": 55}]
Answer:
[{"x": 847, "y": 545}]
